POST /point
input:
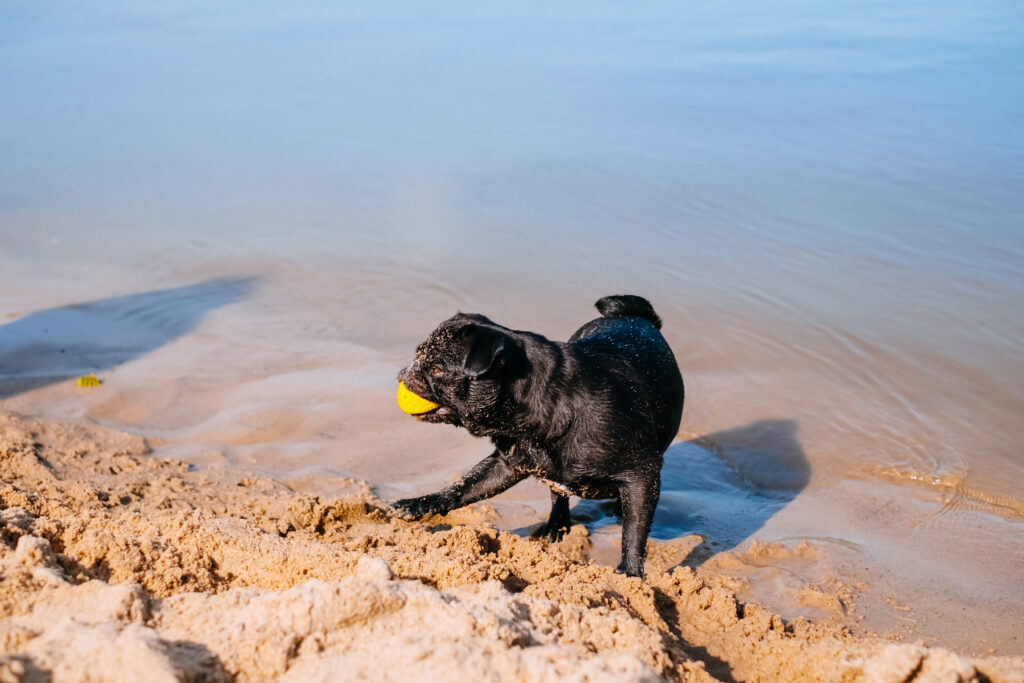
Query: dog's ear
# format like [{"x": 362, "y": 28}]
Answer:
[{"x": 486, "y": 351}]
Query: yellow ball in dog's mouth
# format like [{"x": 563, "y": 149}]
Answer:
[{"x": 411, "y": 403}]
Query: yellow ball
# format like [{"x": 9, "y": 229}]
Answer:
[{"x": 411, "y": 403}]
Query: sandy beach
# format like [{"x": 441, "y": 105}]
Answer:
[
  {"x": 243, "y": 217},
  {"x": 116, "y": 565}
]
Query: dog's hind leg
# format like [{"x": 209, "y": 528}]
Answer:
[
  {"x": 558, "y": 522},
  {"x": 489, "y": 477},
  {"x": 639, "y": 496}
]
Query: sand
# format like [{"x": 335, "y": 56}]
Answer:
[{"x": 115, "y": 565}]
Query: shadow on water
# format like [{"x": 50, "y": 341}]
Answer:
[
  {"x": 723, "y": 486},
  {"x": 51, "y": 346}
]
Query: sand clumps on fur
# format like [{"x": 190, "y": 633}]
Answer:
[{"x": 115, "y": 565}]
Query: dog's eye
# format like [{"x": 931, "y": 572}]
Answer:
[{"x": 437, "y": 371}]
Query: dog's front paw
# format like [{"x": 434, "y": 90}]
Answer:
[
  {"x": 414, "y": 508},
  {"x": 553, "y": 530}
]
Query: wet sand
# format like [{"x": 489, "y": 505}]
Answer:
[
  {"x": 115, "y": 564},
  {"x": 243, "y": 219},
  {"x": 225, "y": 372}
]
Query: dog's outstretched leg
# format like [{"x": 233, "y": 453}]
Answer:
[
  {"x": 489, "y": 477},
  {"x": 639, "y": 497},
  {"x": 558, "y": 522}
]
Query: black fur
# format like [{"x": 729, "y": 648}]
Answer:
[
  {"x": 590, "y": 417},
  {"x": 625, "y": 305}
]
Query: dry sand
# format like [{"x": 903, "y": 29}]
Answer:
[{"x": 115, "y": 565}]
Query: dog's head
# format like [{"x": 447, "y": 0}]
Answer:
[{"x": 466, "y": 366}]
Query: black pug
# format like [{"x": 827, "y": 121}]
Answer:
[{"x": 591, "y": 417}]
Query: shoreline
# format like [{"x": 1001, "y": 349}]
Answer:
[
  {"x": 113, "y": 559},
  {"x": 769, "y": 453}
]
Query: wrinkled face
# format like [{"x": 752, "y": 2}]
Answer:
[{"x": 461, "y": 367}]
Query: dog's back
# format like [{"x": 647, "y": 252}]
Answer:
[{"x": 626, "y": 350}]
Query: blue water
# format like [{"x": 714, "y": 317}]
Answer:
[
  {"x": 871, "y": 130},
  {"x": 824, "y": 202}
]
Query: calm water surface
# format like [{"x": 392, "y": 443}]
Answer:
[{"x": 264, "y": 207}]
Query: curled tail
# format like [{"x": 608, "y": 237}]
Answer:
[{"x": 627, "y": 306}]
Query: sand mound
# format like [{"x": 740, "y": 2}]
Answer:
[{"x": 116, "y": 566}]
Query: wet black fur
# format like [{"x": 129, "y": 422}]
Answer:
[{"x": 591, "y": 416}]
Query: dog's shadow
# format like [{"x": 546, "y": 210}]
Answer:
[
  {"x": 723, "y": 486},
  {"x": 56, "y": 344}
]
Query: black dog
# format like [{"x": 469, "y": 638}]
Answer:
[{"x": 590, "y": 417}]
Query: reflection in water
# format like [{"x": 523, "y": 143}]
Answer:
[{"x": 50, "y": 346}]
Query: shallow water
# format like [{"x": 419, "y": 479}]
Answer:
[{"x": 257, "y": 211}]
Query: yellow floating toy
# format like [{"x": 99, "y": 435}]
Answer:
[
  {"x": 411, "y": 403},
  {"x": 89, "y": 381}
]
